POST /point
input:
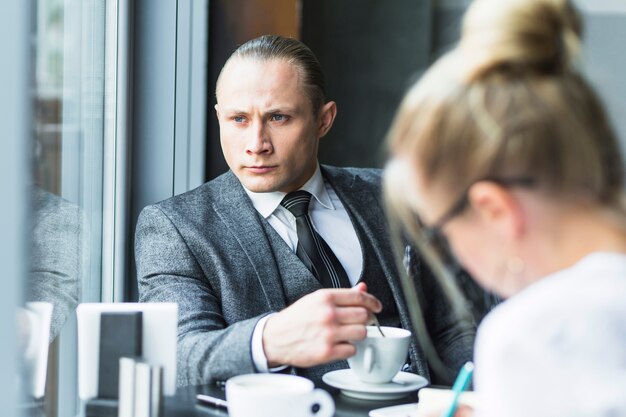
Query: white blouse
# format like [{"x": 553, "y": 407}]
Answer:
[{"x": 557, "y": 348}]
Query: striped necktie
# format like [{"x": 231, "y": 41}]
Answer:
[{"x": 312, "y": 250}]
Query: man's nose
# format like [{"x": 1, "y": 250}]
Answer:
[{"x": 258, "y": 139}]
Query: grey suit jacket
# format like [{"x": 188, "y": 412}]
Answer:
[
  {"x": 57, "y": 257},
  {"x": 211, "y": 252}
]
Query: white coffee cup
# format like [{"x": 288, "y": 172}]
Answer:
[
  {"x": 276, "y": 395},
  {"x": 378, "y": 359}
]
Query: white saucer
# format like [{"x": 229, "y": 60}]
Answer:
[
  {"x": 395, "y": 411},
  {"x": 350, "y": 385}
]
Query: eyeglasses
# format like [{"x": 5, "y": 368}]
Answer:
[{"x": 434, "y": 234}]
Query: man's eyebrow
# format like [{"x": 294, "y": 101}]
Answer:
[
  {"x": 282, "y": 109},
  {"x": 234, "y": 110},
  {"x": 271, "y": 110}
]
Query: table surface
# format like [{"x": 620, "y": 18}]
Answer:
[{"x": 185, "y": 403}]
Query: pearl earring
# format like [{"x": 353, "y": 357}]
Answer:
[{"x": 515, "y": 265}]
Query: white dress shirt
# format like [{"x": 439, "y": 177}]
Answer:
[
  {"x": 557, "y": 348},
  {"x": 330, "y": 220}
]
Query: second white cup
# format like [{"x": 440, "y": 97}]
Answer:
[
  {"x": 276, "y": 395},
  {"x": 378, "y": 359}
]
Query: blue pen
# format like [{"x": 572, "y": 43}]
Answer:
[{"x": 460, "y": 385}]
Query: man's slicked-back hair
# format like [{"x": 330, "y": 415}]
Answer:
[{"x": 269, "y": 47}]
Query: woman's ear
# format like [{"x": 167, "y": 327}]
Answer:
[
  {"x": 326, "y": 117},
  {"x": 497, "y": 207}
]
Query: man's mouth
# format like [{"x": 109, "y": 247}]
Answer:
[{"x": 260, "y": 169}]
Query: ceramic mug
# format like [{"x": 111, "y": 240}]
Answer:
[
  {"x": 276, "y": 395},
  {"x": 378, "y": 359}
]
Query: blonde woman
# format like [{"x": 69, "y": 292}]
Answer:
[{"x": 503, "y": 153}]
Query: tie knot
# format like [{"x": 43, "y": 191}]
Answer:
[{"x": 297, "y": 202}]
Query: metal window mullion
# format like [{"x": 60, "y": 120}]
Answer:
[
  {"x": 115, "y": 190},
  {"x": 198, "y": 92},
  {"x": 123, "y": 123},
  {"x": 181, "y": 96},
  {"x": 110, "y": 145},
  {"x": 190, "y": 97}
]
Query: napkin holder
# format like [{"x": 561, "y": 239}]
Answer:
[{"x": 120, "y": 336}]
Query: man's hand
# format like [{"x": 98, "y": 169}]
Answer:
[{"x": 318, "y": 328}]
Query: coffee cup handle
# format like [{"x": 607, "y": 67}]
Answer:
[
  {"x": 368, "y": 359},
  {"x": 322, "y": 404}
]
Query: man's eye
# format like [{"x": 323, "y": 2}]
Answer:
[
  {"x": 278, "y": 117},
  {"x": 238, "y": 119}
]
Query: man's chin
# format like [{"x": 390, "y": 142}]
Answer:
[
  {"x": 261, "y": 189},
  {"x": 259, "y": 186}
]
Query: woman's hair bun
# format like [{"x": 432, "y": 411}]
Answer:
[{"x": 540, "y": 35}]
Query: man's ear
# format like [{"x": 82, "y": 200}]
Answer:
[
  {"x": 326, "y": 117},
  {"x": 497, "y": 208},
  {"x": 217, "y": 111}
]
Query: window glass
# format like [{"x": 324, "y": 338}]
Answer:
[{"x": 67, "y": 188}]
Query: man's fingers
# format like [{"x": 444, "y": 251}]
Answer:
[
  {"x": 356, "y": 299},
  {"x": 352, "y": 315},
  {"x": 350, "y": 332},
  {"x": 341, "y": 351}
]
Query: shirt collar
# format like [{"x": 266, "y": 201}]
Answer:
[{"x": 267, "y": 203}]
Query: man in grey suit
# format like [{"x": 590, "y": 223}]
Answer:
[{"x": 252, "y": 296}]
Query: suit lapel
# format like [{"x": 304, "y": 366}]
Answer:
[
  {"x": 241, "y": 218},
  {"x": 355, "y": 194}
]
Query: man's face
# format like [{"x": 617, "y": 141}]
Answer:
[{"x": 268, "y": 130}]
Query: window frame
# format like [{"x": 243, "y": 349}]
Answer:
[{"x": 15, "y": 119}]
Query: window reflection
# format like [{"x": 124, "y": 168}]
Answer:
[
  {"x": 56, "y": 254},
  {"x": 48, "y": 94},
  {"x": 66, "y": 234},
  {"x": 58, "y": 225}
]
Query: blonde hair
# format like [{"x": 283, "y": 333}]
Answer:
[{"x": 507, "y": 102}]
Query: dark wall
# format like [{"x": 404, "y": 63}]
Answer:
[
  {"x": 369, "y": 50},
  {"x": 222, "y": 42}
]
